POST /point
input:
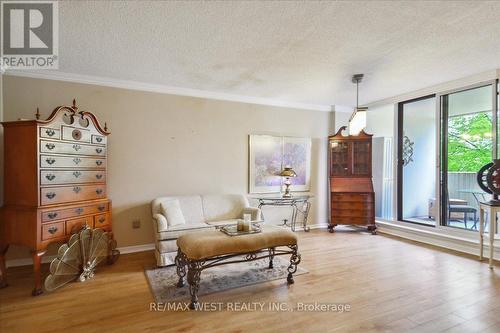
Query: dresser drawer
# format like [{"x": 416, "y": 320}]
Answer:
[
  {"x": 348, "y": 205},
  {"x": 353, "y": 220},
  {"x": 352, "y": 197},
  {"x": 71, "y": 148},
  {"x": 75, "y": 134},
  {"x": 352, "y": 213},
  {"x": 101, "y": 220},
  {"x": 75, "y": 225},
  {"x": 52, "y": 230},
  {"x": 54, "y": 161},
  {"x": 51, "y": 133},
  {"x": 55, "y": 177},
  {"x": 56, "y": 195},
  {"x": 60, "y": 214},
  {"x": 99, "y": 139}
]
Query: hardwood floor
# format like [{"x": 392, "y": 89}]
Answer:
[{"x": 391, "y": 285}]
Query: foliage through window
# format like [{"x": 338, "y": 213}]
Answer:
[{"x": 469, "y": 142}]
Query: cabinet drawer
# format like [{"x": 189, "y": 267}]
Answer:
[
  {"x": 353, "y": 197},
  {"x": 75, "y": 134},
  {"x": 71, "y": 148},
  {"x": 53, "y": 161},
  {"x": 55, "y": 195},
  {"x": 59, "y": 214},
  {"x": 54, "y": 177},
  {"x": 52, "y": 230},
  {"x": 101, "y": 220},
  {"x": 353, "y": 220},
  {"x": 73, "y": 226},
  {"x": 99, "y": 139},
  {"x": 348, "y": 205},
  {"x": 352, "y": 213},
  {"x": 52, "y": 133}
]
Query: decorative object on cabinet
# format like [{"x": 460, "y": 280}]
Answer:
[
  {"x": 79, "y": 258},
  {"x": 55, "y": 182},
  {"x": 269, "y": 154},
  {"x": 352, "y": 199},
  {"x": 287, "y": 172}
]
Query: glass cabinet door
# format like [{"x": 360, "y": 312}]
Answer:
[
  {"x": 361, "y": 158},
  {"x": 339, "y": 158}
]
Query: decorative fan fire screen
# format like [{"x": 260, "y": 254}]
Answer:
[{"x": 80, "y": 256}]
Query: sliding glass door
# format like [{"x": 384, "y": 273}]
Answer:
[{"x": 467, "y": 143}]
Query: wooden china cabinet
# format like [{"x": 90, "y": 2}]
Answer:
[
  {"x": 352, "y": 200},
  {"x": 55, "y": 182}
]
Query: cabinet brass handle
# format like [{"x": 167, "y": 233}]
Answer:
[
  {"x": 52, "y": 230},
  {"x": 52, "y": 215},
  {"x": 77, "y": 174},
  {"x": 98, "y": 191},
  {"x": 50, "y": 161},
  {"x": 50, "y": 132},
  {"x": 102, "y": 219},
  {"x": 98, "y": 176},
  {"x": 101, "y": 208},
  {"x": 50, "y": 195},
  {"x": 98, "y": 139},
  {"x": 77, "y": 189},
  {"x": 50, "y": 146},
  {"x": 77, "y": 147},
  {"x": 98, "y": 150},
  {"x": 99, "y": 162},
  {"x": 79, "y": 210},
  {"x": 50, "y": 176},
  {"x": 77, "y": 160}
]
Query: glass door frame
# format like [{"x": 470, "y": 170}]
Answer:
[
  {"x": 400, "y": 161},
  {"x": 442, "y": 132}
]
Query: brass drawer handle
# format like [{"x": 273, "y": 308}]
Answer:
[
  {"x": 50, "y": 146},
  {"x": 52, "y": 230},
  {"x": 77, "y": 160},
  {"x": 50, "y": 177},
  {"x": 98, "y": 150},
  {"x": 98, "y": 176},
  {"x": 77, "y": 189},
  {"x": 98, "y": 191},
  {"x": 50, "y": 195},
  {"x": 79, "y": 210},
  {"x": 77, "y": 174},
  {"x": 99, "y": 162},
  {"x": 52, "y": 215},
  {"x": 77, "y": 147},
  {"x": 50, "y": 132},
  {"x": 102, "y": 219},
  {"x": 98, "y": 139},
  {"x": 50, "y": 161},
  {"x": 101, "y": 208}
]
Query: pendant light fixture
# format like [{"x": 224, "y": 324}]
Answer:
[{"x": 357, "y": 122}]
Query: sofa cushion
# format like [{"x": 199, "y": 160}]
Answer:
[
  {"x": 191, "y": 207},
  {"x": 176, "y": 231},
  {"x": 223, "y": 207},
  {"x": 171, "y": 209}
]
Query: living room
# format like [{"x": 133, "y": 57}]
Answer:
[{"x": 283, "y": 166}]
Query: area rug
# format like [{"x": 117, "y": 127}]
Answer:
[{"x": 163, "y": 280}]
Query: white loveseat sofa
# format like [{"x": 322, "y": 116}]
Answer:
[{"x": 200, "y": 212}]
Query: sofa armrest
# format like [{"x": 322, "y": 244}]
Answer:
[
  {"x": 254, "y": 211},
  {"x": 160, "y": 222}
]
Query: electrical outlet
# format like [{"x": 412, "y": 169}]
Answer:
[{"x": 136, "y": 224}]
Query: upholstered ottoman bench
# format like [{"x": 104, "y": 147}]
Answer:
[{"x": 201, "y": 250}]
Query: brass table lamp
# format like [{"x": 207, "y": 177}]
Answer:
[{"x": 287, "y": 172}]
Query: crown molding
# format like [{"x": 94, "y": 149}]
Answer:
[{"x": 163, "y": 89}]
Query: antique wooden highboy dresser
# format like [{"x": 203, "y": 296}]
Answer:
[{"x": 55, "y": 182}]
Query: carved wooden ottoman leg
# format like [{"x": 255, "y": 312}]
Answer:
[
  {"x": 180, "y": 263},
  {"x": 193, "y": 278},
  {"x": 3, "y": 252},
  {"x": 271, "y": 257},
  {"x": 294, "y": 261}
]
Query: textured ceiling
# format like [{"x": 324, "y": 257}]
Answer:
[{"x": 290, "y": 51}]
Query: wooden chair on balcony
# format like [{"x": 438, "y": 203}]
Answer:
[{"x": 465, "y": 209}]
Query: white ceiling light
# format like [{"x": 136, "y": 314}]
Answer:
[{"x": 358, "y": 119}]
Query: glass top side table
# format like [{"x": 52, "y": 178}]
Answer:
[{"x": 300, "y": 205}]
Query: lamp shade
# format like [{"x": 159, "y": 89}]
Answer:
[
  {"x": 357, "y": 121},
  {"x": 288, "y": 172}
]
